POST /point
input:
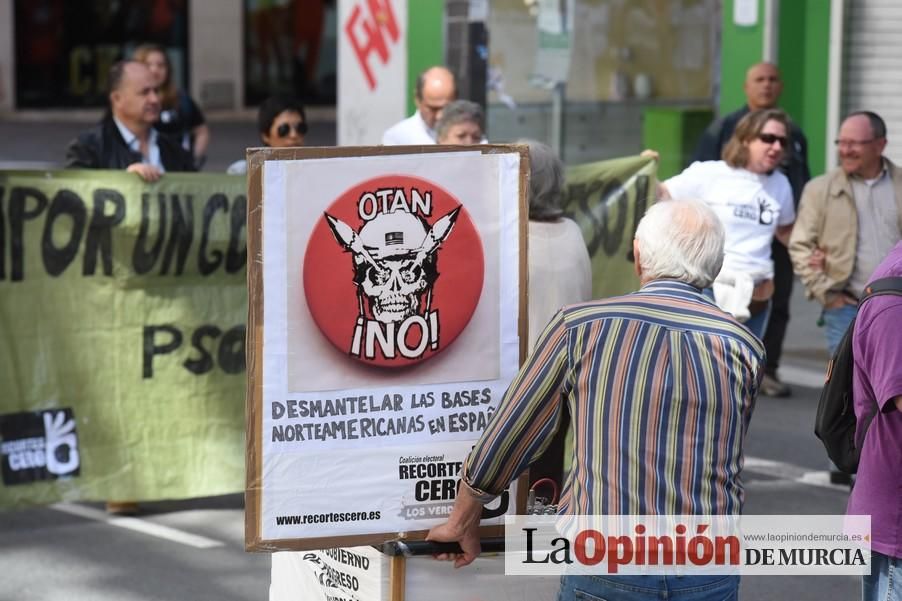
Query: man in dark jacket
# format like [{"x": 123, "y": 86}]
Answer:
[
  {"x": 762, "y": 91},
  {"x": 125, "y": 137}
]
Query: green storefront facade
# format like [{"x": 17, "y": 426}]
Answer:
[{"x": 794, "y": 34}]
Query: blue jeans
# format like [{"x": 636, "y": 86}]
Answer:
[
  {"x": 757, "y": 323},
  {"x": 836, "y": 322},
  {"x": 649, "y": 588},
  {"x": 885, "y": 581}
]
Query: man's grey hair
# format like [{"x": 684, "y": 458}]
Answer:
[
  {"x": 459, "y": 111},
  {"x": 681, "y": 240},
  {"x": 546, "y": 182}
]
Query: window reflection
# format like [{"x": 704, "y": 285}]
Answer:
[
  {"x": 290, "y": 47},
  {"x": 64, "y": 50},
  {"x": 623, "y": 57}
]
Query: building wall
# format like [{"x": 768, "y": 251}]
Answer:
[
  {"x": 802, "y": 53},
  {"x": 6, "y": 56},
  {"x": 869, "y": 75},
  {"x": 216, "y": 49},
  {"x": 425, "y": 40},
  {"x": 804, "y": 60},
  {"x": 741, "y": 46}
]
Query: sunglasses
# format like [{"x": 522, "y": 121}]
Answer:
[
  {"x": 771, "y": 138},
  {"x": 284, "y": 130}
]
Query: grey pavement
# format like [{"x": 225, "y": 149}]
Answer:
[{"x": 49, "y": 555}]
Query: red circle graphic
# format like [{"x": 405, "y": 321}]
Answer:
[{"x": 406, "y": 253}]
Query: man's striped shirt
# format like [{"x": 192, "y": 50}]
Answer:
[{"x": 660, "y": 385}]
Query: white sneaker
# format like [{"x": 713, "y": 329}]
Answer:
[{"x": 771, "y": 386}]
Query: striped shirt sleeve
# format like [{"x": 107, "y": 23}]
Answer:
[{"x": 526, "y": 419}]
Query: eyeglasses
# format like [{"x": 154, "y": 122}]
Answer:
[
  {"x": 771, "y": 138},
  {"x": 853, "y": 142},
  {"x": 284, "y": 130}
]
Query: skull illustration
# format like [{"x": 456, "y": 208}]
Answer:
[{"x": 394, "y": 260}]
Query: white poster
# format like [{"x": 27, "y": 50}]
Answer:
[
  {"x": 354, "y": 574},
  {"x": 363, "y": 574},
  {"x": 390, "y": 304},
  {"x": 372, "y": 69}
]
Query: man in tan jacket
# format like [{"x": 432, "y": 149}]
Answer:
[{"x": 848, "y": 221}]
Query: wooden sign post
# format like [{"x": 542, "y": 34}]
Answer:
[{"x": 386, "y": 318}]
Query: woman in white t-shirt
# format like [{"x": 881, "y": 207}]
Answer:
[{"x": 754, "y": 201}]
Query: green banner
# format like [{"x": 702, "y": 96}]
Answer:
[
  {"x": 122, "y": 333},
  {"x": 122, "y": 325},
  {"x": 607, "y": 199}
]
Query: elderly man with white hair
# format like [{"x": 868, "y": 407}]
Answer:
[{"x": 660, "y": 383}]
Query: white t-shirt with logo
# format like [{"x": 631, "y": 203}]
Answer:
[{"x": 750, "y": 206}]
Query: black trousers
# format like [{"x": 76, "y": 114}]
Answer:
[{"x": 779, "y": 312}]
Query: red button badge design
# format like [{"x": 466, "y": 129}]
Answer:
[{"x": 393, "y": 271}]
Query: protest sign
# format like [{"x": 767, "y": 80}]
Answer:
[
  {"x": 354, "y": 574},
  {"x": 364, "y": 574},
  {"x": 607, "y": 199},
  {"x": 122, "y": 325},
  {"x": 383, "y": 333},
  {"x": 122, "y": 328}
]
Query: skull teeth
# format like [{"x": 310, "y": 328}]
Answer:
[{"x": 399, "y": 305}]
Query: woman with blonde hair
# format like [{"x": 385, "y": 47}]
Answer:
[
  {"x": 754, "y": 202},
  {"x": 180, "y": 116}
]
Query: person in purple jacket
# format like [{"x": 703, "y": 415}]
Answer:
[{"x": 877, "y": 379}]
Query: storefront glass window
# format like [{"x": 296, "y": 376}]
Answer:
[
  {"x": 613, "y": 57},
  {"x": 64, "y": 50},
  {"x": 290, "y": 48}
]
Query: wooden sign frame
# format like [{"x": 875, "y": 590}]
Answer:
[{"x": 254, "y": 398}]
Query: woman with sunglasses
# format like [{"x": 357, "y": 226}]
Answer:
[
  {"x": 281, "y": 122},
  {"x": 180, "y": 116},
  {"x": 754, "y": 201}
]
